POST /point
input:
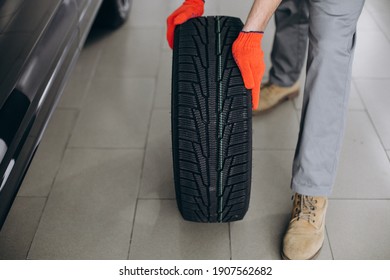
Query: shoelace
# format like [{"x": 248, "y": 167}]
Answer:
[{"x": 306, "y": 209}]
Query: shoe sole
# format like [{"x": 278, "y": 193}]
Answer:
[
  {"x": 290, "y": 96},
  {"x": 284, "y": 257}
]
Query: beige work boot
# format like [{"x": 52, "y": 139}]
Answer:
[
  {"x": 305, "y": 234},
  {"x": 272, "y": 95}
]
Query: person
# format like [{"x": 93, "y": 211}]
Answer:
[
  {"x": 288, "y": 54},
  {"x": 331, "y": 32}
]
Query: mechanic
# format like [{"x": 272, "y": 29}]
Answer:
[{"x": 331, "y": 31}]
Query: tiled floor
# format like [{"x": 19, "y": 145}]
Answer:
[{"x": 100, "y": 186}]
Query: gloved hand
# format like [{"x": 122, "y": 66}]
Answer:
[
  {"x": 189, "y": 9},
  {"x": 249, "y": 57}
]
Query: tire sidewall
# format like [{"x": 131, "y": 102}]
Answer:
[{"x": 123, "y": 8}]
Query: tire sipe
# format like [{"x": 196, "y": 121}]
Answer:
[{"x": 211, "y": 122}]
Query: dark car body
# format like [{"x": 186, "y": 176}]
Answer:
[{"x": 40, "y": 41}]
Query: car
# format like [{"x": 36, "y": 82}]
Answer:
[{"x": 40, "y": 42}]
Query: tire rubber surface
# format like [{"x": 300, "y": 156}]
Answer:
[
  {"x": 211, "y": 122},
  {"x": 113, "y": 13}
]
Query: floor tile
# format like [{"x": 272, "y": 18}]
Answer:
[
  {"x": 164, "y": 46},
  {"x": 364, "y": 169},
  {"x": 74, "y": 92},
  {"x": 211, "y": 8},
  {"x": 366, "y": 22},
  {"x": 161, "y": 233},
  {"x": 355, "y": 102},
  {"x": 259, "y": 235},
  {"x": 174, "y": 4},
  {"x": 90, "y": 209},
  {"x": 19, "y": 229},
  {"x": 148, "y": 13},
  {"x": 164, "y": 81},
  {"x": 47, "y": 160},
  {"x": 371, "y": 60},
  {"x": 377, "y": 5},
  {"x": 230, "y": 8},
  {"x": 376, "y": 97},
  {"x": 157, "y": 179},
  {"x": 131, "y": 53},
  {"x": 276, "y": 129},
  {"x": 359, "y": 229},
  {"x": 116, "y": 113},
  {"x": 271, "y": 177},
  {"x": 326, "y": 251},
  {"x": 83, "y": 71},
  {"x": 383, "y": 21}
]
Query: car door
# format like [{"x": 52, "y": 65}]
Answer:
[{"x": 39, "y": 42}]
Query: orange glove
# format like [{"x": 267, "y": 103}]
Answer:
[
  {"x": 189, "y": 9},
  {"x": 249, "y": 57}
]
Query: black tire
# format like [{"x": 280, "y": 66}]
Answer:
[
  {"x": 113, "y": 13},
  {"x": 211, "y": 122}
]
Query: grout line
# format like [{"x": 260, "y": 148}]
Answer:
[
  {"x": 162, "y": 108},
  {"x": 59, "y": 108},
  {"x": 52, "y": 183},
  {"x": 355, "y": 85},
  {"x": 374, "y": 18},
  {"x": 74, "y": 121},
  {"x": 371, "y": 120},
  {"x": 330, "y": 245},
  {"x": 138, "y": 193},
  {"x": 357, "y": 110},
  {"x": 42, "y": 212},
  {"x": 273, "y": 150},
  {"x": 230, "y": 241},
  {"x": 125, "y": 78},
  {"x": 32, "y": 196},
  {"x": 70, "y": 133},
  {"x": 144, "y": 157},
  {"x": 91, "y": 78},
  {"x": 155, "y": 198},
  {"x": 358, "y": 199},
  {"x": 84, "y": 97},
  {"x": 36, "y": 228},
  {"x": 105, "y": 148},
  {"x": 371, "y": 78},
  {"x": 77, "y": 112}
]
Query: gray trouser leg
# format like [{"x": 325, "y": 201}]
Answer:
[
  {"x": 290, "y": 41},
  {"x": 332, "y": 28}
]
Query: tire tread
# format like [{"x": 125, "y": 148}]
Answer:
[{"x": 211, "y": 122}]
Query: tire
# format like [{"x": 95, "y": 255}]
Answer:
[
  {"x": 113, "y": 13},
  {"x": 211, "y": 122}
]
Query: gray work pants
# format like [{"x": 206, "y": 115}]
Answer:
[{"x": 331, "y": 30}]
